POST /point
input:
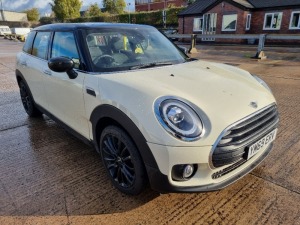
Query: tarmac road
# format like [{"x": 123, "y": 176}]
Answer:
[{"x": 49, "y": 177}]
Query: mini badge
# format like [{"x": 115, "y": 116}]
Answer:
[{"x": 253, "y": 105}]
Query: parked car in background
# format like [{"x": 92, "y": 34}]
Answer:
[
  {"x": 4, "y": 30},
  {"x": 153, "y": 113},
  {"x": 24, "y": 31}
]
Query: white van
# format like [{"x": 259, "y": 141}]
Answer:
[
  {"x": 23, "y": 31},
  {"x": 20, "y": 30},
  {"x": 4, "y": 30}
]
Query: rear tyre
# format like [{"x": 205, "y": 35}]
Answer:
[
  {"x": 27, "y": 100},
  {"x": 122, "y": 161}
]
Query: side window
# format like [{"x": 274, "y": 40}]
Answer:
[
  {"x": 272, "y": 21},
  {"x": 40, "y": 45},
  {"x": 248, "y": 22},
  {"x": 295, "y": 20},
  {"x": 29, "y": 41},
  {"x": 64, "y": 45},
  {"x": 229, "y": 22},
  {"x": 198, "y": 24}
]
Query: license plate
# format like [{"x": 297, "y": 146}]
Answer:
[{"x": 254, "y": 148}]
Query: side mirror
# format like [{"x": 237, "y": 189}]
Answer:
[
  {"x": 183, "y": 49},
  {"x": 61, "y": 65}
]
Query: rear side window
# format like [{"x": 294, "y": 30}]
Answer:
[
  {"x": 29, "y": 41},
  {"x": 40, "y": 45},
  {"x": 64, "y": 45}
]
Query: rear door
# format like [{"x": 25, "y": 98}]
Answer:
[{"x": 34, "y": 64}]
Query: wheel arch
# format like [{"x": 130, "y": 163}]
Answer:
[
  {"x": 105, "y": 115},
  {"x": 19, "y": 76}
]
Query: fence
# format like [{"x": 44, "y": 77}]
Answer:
[{"x": 261, "y": 37}]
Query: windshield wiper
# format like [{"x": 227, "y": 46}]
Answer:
[{"x": 149, "y": 65}]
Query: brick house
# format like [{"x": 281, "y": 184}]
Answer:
[
  {"x": 241, "y": 17},
  {"x": 150, "y": 5}
]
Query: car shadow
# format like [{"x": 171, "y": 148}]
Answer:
[{"x": 47, "y": 171}]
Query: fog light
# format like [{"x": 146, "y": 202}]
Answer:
[
  {"x": 183, "y": 172},
  {"x": 188, "y": 171}
]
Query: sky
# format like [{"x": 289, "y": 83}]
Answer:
[{"x": 44, "y": 7}]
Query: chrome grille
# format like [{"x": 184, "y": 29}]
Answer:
[{"x": 232, "y": 147}]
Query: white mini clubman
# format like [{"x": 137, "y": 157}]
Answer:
[{"x": 154, "y": 114}]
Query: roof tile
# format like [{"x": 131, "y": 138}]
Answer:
[
  {"x": 200, "y": 6},
  {"x": 197, "y": 8}
]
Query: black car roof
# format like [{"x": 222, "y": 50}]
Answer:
[{"x": 75, "y": 26}]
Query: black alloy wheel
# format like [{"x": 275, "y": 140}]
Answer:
[
  {"x": 122, "y": 160},
  {"x": 27, "y": 100}
]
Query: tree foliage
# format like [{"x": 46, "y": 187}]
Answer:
[
  {"x": 66, "y": 9},
  {"x": 114, "y": 6},
  {"x": 93, "y": 11},
  {"x": 32, "y": 14},
  {"x": 46, "y": 20},
  {"x": 153, "y": 18}
]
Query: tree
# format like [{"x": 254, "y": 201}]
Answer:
[
  {"x": 93, "y": 11},
  {"x": 46, "y": 20},
  {"x": 32, "y": 14},
  {"x": 114, "y": 6},
  {"x": 66, "y": 9}
]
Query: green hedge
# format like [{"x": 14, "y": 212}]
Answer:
[{"x": 153, "y": 18}]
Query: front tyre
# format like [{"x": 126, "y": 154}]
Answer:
[
  {"x": 28, "y": 101},
  {"x": 122, "y": 161}
]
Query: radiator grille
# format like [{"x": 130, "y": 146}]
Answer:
[{"x": 233, "y": 145}]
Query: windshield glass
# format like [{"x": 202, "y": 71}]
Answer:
[{"x": 116, "y": 49}]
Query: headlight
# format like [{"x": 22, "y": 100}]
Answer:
[
  {"x": 262, "y": 82},
  {"x": 179, "y": 119}
]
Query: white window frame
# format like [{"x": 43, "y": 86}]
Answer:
[
  {"x": 294, "y": 28},
  {"x": 235, "y": 23},
  {"x": 273, "y": 14},
  {"x": 198, "y": 18},
  {"x": 248, "y": 21}
]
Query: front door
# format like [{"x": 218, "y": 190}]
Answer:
[
  {"x": 209, "y": 25},
  {"x": 65, "y": 95}
]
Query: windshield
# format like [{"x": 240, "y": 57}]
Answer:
[{"x": 117, "y": 49}]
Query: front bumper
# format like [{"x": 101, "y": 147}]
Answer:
[{"x": 164, "y": 183}]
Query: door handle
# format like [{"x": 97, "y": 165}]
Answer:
[
  {"x": 47, "y": 72},
  {"x": 91, "y": 91},
  {"x": 23, "y": 63}
]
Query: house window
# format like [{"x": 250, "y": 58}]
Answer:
[
  {"x": 229, "y": 22},
  {"x": 295, "y": 20},
  {"x": 248, "y": 22},
  {"x": 198, "y": 24},
  {"x": 140, "y": 2},
  {"x": 272, "y": 21}
]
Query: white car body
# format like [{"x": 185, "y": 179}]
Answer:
[{"x": 221, "y": 95}]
